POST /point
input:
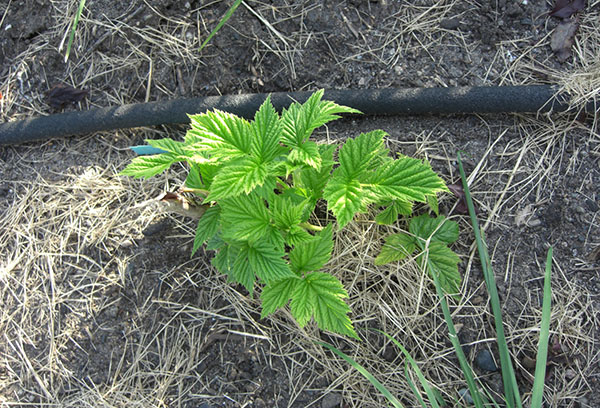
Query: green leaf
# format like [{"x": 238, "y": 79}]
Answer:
[
  {"x": 245, "y": 218},
  {"x": 442, "y": 261},
  {"x": 169, "y": 145},
  {"x": 363, "y": 153},
  {"x": 405, "y": 179},
  {"x": 432, "y": 202},
  {"x": 297, "y": 235},
  {"x": 299, "y": 121},
  {"x": 313, "y": 255},
  {"x": 242, "y": 271},
  {"x": 345, "y": 198},
  {"x": 194, "y": 178},
  {"x": 208, "y": 226},
  {"x": 267, "y": 262},
  {"x": 390, "y": 214},
  {"x": 266, "y": 132},
  {"x": 277, "y": 294},
  {"x": 225, "y": 257},
  {"x": 284, "y": 213},
  {"x": 315, "y": 180},
  {"x": 225, "y": 135},
  {"x": 241, "y": 176},
  {"x": 321, "y": 295},
  {"x": 396, "y": 247},
  {"x": 307, "y": 153},
  {"x": 439, "y": 229},
  {"x": 149, "y": 166}
]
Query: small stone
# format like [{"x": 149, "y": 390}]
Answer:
[
  {"x": 536, "y": 222},
  {"x": 485, "y": 361},
  {"x": 466, "y": 395},
  {"x": 259, "y": 403},
  {"x": 450, "y": 23},
  {"x": 331, "y": 400},
  {"x": 528, "y": 362},
  {"x": 580, "y": 210},
  {"x": 591, "y": 205}
]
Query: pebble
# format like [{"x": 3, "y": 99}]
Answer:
[
  {"x": 485, "y": 361},
  {"x": 466, "y": 395},
  {"x": 259, "y": 403},
  {"x": 591, "y": 205},
  {"x": 450, "y": 23},
  {"x": 331, "y": 400}
]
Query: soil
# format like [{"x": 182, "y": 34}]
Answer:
[{"x": 133, "y": 312}]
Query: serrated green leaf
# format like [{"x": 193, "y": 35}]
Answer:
[
  {"x": 194, "y": 178},
  {"x": 245, "y": 218},
  {"x": 296, "y": 235},
  {"x": 396, "y": 247},
  {"x": 172, "y": 146},
  {"x": 313, "y": 180},
  {"x": 322, "y": 295},
  {"x": 390, "y": 214},
  {"x": 439, "y": 228},
  {"x": 277, "y": 294},
  {"x": 361, "y": 154},
  {"x": 225, "y": 257},
  {"x": 240, "y": 176},
  {"x": 345, "y": 198},
  {"x": 442, "y": 261},
  {"x": 267, "y": 262},
  {"x": 313, "y": 255},
  {"x": 285, "y": 214},
  {"x": 225, "y": 135},
  {"x": 242, "y": 271},
  {"x": 266, "y": 132},
  {"x": 405, "y": 179},
  {"x": 306, "y": 153},
  {"x": 432, "y": 202},
  {"x": 149, "y": 166},
  {"x": 208, "y": 226},
  {"x": 299, "y": 121}
]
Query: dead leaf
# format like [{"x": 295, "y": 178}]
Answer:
[
  {"x": 562, "y": 39},
  {"x": 61, "y": 95},
  {"x": 566, "y": 8},
  {"x": 461, "y": 206}
]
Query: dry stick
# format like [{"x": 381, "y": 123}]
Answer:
[{"x": 108, "y": 33}]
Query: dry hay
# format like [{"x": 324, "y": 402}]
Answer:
[{"x": 65, "y": 231}]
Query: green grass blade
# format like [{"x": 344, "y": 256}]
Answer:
[
  {"x": 424, "y": 383},
  {"x": 226, "y": 17},
  {"x": 380, "y": 387},
  {"x": 511, "y": 390},
  {"x": 73, "y": 28},
  {"x": 542, "y": 354},
  {"x": 412, "y": 386},
  {"x": 462, "y": 359}
]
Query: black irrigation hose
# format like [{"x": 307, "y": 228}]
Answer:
[{"x": 388, "y": 101}]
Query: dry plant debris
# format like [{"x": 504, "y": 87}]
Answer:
[{"x": 96, "y": 314}]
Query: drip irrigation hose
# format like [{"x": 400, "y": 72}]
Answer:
[{"x": 388, "y": 101}]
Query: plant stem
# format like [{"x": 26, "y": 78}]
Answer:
[
  {"x": 195, "y": 191},
  {"x": 311, "y": 227}
]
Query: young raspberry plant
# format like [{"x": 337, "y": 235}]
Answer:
[{"x": 261, "y": 181}]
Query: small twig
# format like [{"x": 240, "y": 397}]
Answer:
[
  {"x": 108, "y": 33},
  {"x": 267, "y": 24}
]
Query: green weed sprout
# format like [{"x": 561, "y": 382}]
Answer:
[
  {"x": 261, "y": 182},
  {"x": 397, "y": 247}
]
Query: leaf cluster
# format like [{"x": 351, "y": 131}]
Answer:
[
  {"x": 262, "y": 180},
  {"x": 430, "y": 238}
]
